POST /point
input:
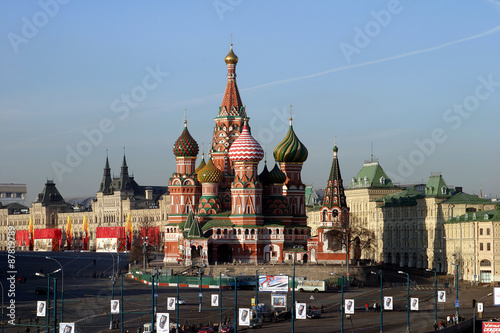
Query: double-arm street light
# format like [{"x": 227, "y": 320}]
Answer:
[
  {"x": 474, "y": 318},
  {"x": 62, "y": 286},
  {"x": 435, "y": 294},
  {"x": 456, "y": 283},
  {"x": 144, "y": 248},
  {"x": 48, "y": 276},
  {"x": 407, "y": 300},
  {"x": 381, "y": 301}
]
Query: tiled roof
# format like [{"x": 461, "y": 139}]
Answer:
[
  {"x": 185, "y": 146},
  {"x": 464, "y": 198}
]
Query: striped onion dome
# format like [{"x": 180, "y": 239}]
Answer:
[
  {"x": 246, "y": 148},
  {"x": 210, "y": 173},
  {"x": 290, "y": 149},
  {"x": 276, "y": 176},
  {"x": 202, "y": 164},
  {"x": 185, "y": 146}
]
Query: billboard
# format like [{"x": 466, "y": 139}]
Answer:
[
  {"x": 41, "y": 309},
  {"x": 300, "y": 311},
  {"x": 162, "y": 323},
  {"x": 441, "y": 296},
  {"x": 115, "y": 306},
  {"x": 388, "y": 303},
  {"x": 66, "y": 327},
  {"x": 489, "y": 326},
  {"x": 496, "y": 296},
  {"x": 278, "y": 301},
  {"x": 349, "y": 306},
  {"x": 274, "y": 283},
  {"x": 414, "y": 304}
]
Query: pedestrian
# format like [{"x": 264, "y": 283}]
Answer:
[
  {"x": 448, "y": 319},
  {"x": 322, "y": 309},
  {"x": 375, "y": 307},
  {"x": 366, "y": 307},
  {"x": 139, "y": 329},
  {"x": 435, "y": 326}
]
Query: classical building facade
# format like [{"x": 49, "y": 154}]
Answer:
[
  {"x": 73, "y": 224},
  {"x": 223, "y": 210}
]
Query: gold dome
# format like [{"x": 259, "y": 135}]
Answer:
[{"x": 231, "y": 58}]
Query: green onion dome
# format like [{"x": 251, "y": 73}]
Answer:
[
  {"x": 185, "y": 146},
  {"x": 290, "y": 149},
  {"x": 263, "y": 175},
  {"x": 202, "y": 164},
  {"x": 210, "y": 173},
  {"x": 335, "y": 149},
  {"x": 276, "y": 176}
]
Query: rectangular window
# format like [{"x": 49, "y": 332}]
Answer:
[
  {"x": 480, "y": 246},
  {"x": 488, "y": 247},
  {"x": 488, "y": 231},
  {"x": 480, "y": 231}
]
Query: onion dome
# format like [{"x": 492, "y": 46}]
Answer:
[
  {"x": 290, "y": 149},
  {"x": 335, "y": 149},
  {"x": 185, "y": 146},
  {"x": 210, "y": 173},
  {"x": 231, "y": 58},
  {"x": 202, "y": 164},
  {"x": 246, "y": 148},
  {"x": 263, "y": 175},
  {"x": 276, "y": 176}
]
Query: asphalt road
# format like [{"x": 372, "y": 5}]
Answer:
[{"x": 87, "y": 300}]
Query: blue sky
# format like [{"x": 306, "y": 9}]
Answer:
[{"x": 418, "y": 80}]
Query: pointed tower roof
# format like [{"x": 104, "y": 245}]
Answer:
[
  {"x": 334, "y": 191},
  {"x": 246, "y": 148},
  {"x": 50, "y": 195},
  {"x": 185, "y": 146},
  {"x": 231, "y": 102},
  {"x": 290, "y": 149},
  {"x": 436, "y": 186},
  {"x": 106, "y": 178},
  {"x": 125, "y": 183},
  {"x": 192, "y": 228}
]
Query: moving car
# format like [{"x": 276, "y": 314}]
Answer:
[
  {"x": 180, "y": 301},
  {"x": 43, "y": 291},
  {"x": 206, "y": 330},
  {"x": 256, "y": 322},
  {"x": 226, "y": 329},
  {"x": 313, "y": 314}
]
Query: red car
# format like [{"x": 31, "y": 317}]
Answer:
[
  {"x": 206, "y": 330},
  {"x": 227, "y": 329}
]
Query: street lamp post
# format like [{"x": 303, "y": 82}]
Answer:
[
  {"x": 201, "y": 282},
  {"x": 456, "y": 284},
  {"x": 341, "y": 302},
  {"x": 435, "y": 294},
  {"x": 62, "y": 285},
  {"x": 381, "y": 301},
  {"x": 407, "y": 300},
  {"x": 474, "y": 318},
  {"x": 144, "y": 247}
]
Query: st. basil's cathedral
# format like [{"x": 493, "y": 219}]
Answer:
[{"x": 224, "y": 211}]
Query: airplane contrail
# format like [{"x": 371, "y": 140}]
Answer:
[{"x": 398, "y": 56}]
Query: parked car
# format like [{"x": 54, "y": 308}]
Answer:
[
  {"x": 226, "y": 329},
  {"x": 313, "y": 314},
  {"x": 206, "y": 329},
  {"x": 43, "y": 291}
]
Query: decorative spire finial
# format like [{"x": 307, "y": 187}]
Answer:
[
  {"x": 185, "y": 117},
  {"x": 291, "y": 106}
]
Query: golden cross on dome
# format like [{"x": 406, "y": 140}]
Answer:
[
  {"x": 185, "y": 116},
  {"x": 291, "y": 106}
]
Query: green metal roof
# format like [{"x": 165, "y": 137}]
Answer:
[
  {"x": 465, "y": 198},
  {"x": 479, "y": 216},
  {"x": 406, "y": 197},
  {"x": 436, "y": 187},
  {"x": 371, "y": 175}
]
